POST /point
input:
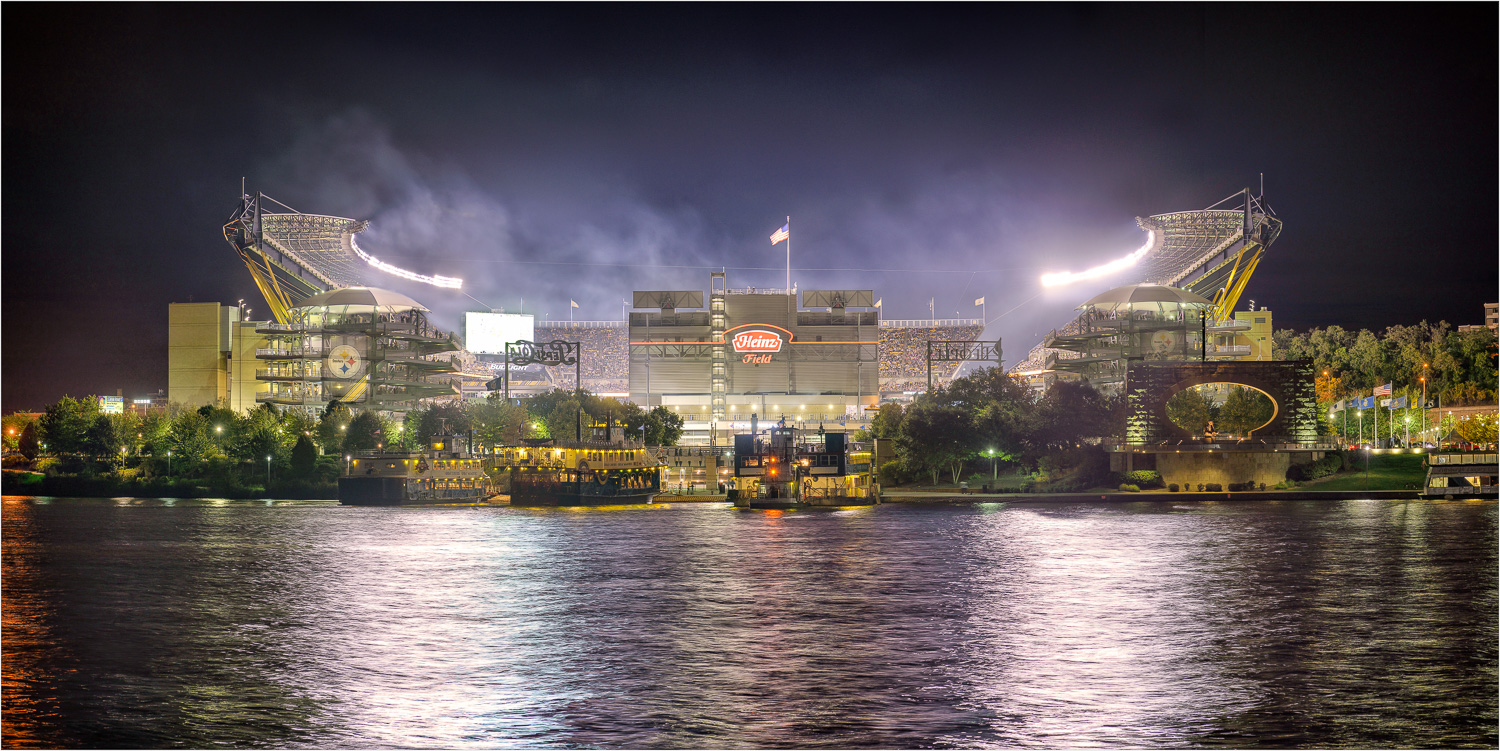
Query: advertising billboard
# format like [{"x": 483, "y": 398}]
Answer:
[
  {"x": 112, "y": 405},
  {"x": 487, "y": 333}
]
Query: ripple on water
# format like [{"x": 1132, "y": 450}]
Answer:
[{"x": 150, "y": 622}]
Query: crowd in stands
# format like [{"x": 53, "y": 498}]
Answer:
[
  {"x": 1037, "y": 358},
  {"x": 903, "y": 354},
  {"x": 606, "y": 354}
]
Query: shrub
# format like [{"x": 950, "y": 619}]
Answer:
[
  {"x": 1128, "y": 488},
  {"x": 890, "y": 473},
  {"x": 1324, "y": 467},
  {"x": 1214, "y": 487},
  {"x": 1146, "y": 478},
  {"x": 1172, "y": 488}
]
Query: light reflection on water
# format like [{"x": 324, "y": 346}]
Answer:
[{"x": 306, "y": 624}]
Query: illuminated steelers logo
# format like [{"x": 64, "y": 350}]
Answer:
[{"x": 343, "y": 361}]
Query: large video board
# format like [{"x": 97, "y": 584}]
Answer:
[{"x": 487, "y": 333}]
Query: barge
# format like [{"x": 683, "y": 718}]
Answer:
[
  {"x": 438, "y": 474},
  {"x": 792, "y": 469},
  {"x": 547, "y": 472},
  {"x": 1462, "y": 475}
]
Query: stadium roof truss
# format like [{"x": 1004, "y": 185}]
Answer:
[
  {"x": 293, "y": 256},
  {"x": 1211, "y": 252}
]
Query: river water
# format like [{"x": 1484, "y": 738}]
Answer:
[{"x": 161, "y": 623}]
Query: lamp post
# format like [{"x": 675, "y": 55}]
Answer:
[
  {"x": 801, "y": 480},
  {"x": 268, "y": 471},
  {"x": 1361, "y": 415},
  {"x": 169, "y": 462},
  {"x": 994, "y": 473}
]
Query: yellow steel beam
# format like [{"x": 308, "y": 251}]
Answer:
[
  {"x": 1233, "y": 292},
  {"x": 278, "y": 308}
]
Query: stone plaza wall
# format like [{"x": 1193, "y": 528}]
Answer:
[
  {"x": 1224, "y": 467},
  {"x": 1289, "y": 384}
]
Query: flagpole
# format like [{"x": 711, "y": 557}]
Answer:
[{"x": 789, "y": 255}]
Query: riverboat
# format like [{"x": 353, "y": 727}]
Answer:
[
  {"x": 792, "y": 469},
  {"x": 438, "y": 474},
  {"x": 548, "y": 472},
  {"x": 1462, "y": 475}
]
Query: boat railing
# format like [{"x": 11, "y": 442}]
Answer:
[{"x": 1462, "y": 458}]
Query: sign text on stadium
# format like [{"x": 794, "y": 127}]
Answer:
[{"x": 757, "y": 345}]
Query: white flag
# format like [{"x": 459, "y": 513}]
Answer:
[
  {"x": 573, "y": 303},
  {"x": 878, "y": 302},
  {"x": 980, "y": 301}
]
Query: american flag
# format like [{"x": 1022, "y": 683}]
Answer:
[
  {"x": 1383, "y": 390},
  {"x": 782, "y": 234}
]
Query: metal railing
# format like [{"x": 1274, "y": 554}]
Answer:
[
  {"x": 1463, "y": 458},
  {"x": 925, "y": 323},
  {"x": 1225, "y": 442},
  {"x": 582, "y": 324},
  {"x": 289, "y": 352}
]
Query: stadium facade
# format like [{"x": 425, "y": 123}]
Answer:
[{"x": 754, "y": 353}]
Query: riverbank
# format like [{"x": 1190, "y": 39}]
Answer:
[
  {"x": 20, "y": 482},
  {"x": 1147, "y": 496}
]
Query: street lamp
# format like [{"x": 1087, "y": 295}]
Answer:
[
  {"x": 169, "y": 462},
  {"x": 994, "y": 473},
  {"x": 268, "y": 471}
]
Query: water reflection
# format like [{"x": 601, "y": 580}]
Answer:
[{"x": 292, "y": 624}]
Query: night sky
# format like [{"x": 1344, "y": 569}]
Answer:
[{"x": 557, "y": 152}]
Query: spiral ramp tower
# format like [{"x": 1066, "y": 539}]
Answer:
[{"x": 298, "y": 261}]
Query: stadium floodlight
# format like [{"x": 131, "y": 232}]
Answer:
[
  {"x": 1068, "y": 277},
  {"x": 436, "y": 281}
]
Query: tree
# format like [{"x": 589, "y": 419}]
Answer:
[
  {"x": 14, "y": 424},
  {"x": 100, "y": 441},
  {"x": 1188, "y": 409},
  {"x": 304, "y": 458},
  {"x": 936, "y": 436},
  {"x": 561, "y": 420},
  {"x": 332, "y": 427},
  {"x": 300, "y": 422},
  {"x": 496, "y": 422},
  {"x": 189, "y": 441},
  {"x": 887, "y": 423},
  {"x": 257, "y": 436},
  {"x": 364, "y": 432},
  {"x": 1480, "y": 429},
  {"x": 1244, "y": 410},
  {"x": 65, "y": 424},
  {"x": 1329, "y": 387},
  {"x": 1071, "y": 411},
  {"x": 663, "y": 427},
  {"x": 28, "y": 445}
]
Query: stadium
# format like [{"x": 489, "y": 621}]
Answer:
[{"x": 720, "y": 355}]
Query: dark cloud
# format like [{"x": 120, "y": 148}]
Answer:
[{"x": 581, "y": 151}]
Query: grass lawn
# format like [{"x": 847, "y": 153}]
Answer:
[{"x": 1387, "y": 472}]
